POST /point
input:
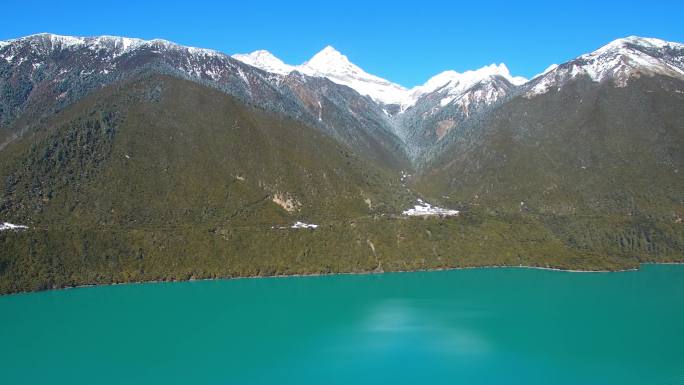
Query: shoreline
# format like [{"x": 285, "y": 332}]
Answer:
[{"x": 348, "y": 273}]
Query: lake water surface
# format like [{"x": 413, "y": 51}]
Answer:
[{"x": 479, "y": 326}]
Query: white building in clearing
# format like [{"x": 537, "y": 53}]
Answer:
[
  {"x": 10, "y": 226},
  {"x": 424, "y": 209}
]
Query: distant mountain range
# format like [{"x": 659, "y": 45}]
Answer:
[
  {"x": 331, "y": 64},
  {"x": 396, "y": 122},
  {"x": 464, "y": 94},
  {"x": 135, "y": 160}
]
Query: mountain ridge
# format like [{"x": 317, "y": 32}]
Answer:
[
  {"x": 135, "y": 161},
  {"x": 334, "y": 65},
  {"x": 42, "y": 74},
  {"x": 412, "y": 125}
]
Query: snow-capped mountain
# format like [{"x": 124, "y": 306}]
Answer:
[
  {"x": 465, "y": 91},
  {"x": 331, "y": 64},
  {"x": 115, "y": 46},
  {"x": 51, "y": 71},
  {"x": 421, "y": 115},
  {"x": 113, "y": 150},
  {"x": 617, "y": 61},
  {"x": 47, "y": 72},
  {"x": 266, "y": 61},
  {"x": 455, "y": 83},
  {"x": 444, "y": 111}
]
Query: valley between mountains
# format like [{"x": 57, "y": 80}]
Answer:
[{"x": 132, "y": 160}]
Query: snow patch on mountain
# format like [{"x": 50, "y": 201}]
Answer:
[
  {"x": 468, "y": 90},
  {"x": 623, "y": 56},
  {"x": 266, "y": 61},
  {"x": 547, "y": 70},
  {"x": 117, "y": 45},
  {"x": 331, "y": 64},
  {"x": 456, "y": 83},
  {"x": 619, "y": 61},
  {"x": 486, "y": 95}
]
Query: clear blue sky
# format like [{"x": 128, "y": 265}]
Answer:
[{"x": 403, "y": 42}]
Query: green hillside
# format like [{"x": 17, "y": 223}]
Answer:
[
  {"x": 599, "y": 166},
  {"x": 159, "y": 178}
]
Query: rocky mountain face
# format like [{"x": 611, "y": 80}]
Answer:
[{"x": 448, "y": 108}]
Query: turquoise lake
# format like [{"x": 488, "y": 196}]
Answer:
[{"x": 478, "y": 326}]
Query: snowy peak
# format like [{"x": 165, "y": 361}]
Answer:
[
  {"x": 48, "y": 42},
  {"x": 331, "y": 64},
  {"x": 635, "y": 42},
  {"x": 266, "y": 61},
  {"x": 617, "y": 61},
  {"x": 483, "y": 86},
  {"x": 330, "y": 60},
  {"x": 622, "y": 56},
  {"x": 454, "y": 82}
]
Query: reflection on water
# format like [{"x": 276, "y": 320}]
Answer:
[{"x": 393, "y": 321}]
